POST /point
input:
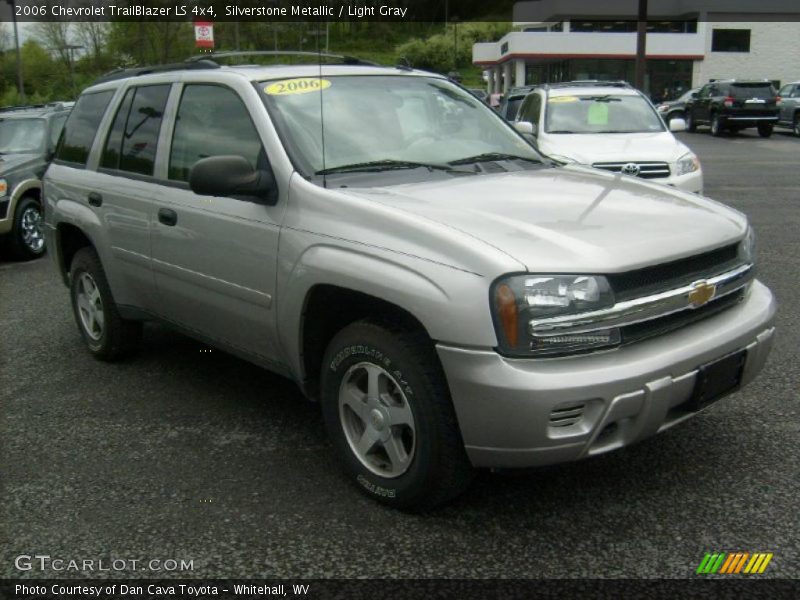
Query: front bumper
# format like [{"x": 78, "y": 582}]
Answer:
[{"x": 511, "y": 411}]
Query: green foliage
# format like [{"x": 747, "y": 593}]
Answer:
[
  {"x": 47, "y": 74},
  {"x": 451, "y": 49}
]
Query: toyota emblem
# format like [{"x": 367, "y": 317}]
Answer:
[{"x": 631, "y": 169}]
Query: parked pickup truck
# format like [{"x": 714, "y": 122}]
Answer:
[{"x": 450, "y": 297}]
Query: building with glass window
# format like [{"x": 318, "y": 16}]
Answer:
[{"x": 685, "y": 46}]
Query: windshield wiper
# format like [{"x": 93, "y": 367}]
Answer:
[
  {"x": 492, "y": 156},
  {"x": 562, "y": 131},
  {"x": 384, "y": 165}
]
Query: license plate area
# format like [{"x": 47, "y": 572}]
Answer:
[{"x": 716, "y": 379}]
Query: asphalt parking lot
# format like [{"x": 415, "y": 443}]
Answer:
[{"x": 187, "y": 454}]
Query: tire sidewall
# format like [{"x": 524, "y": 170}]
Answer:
[
  {"x": 716, "y": 125},
  {"x": 348, "y": 350}
]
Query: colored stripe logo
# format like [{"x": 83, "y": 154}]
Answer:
[{"x": 734, "y": 563}]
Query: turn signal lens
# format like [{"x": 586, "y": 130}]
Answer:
[{"x": 506, "y": 305}]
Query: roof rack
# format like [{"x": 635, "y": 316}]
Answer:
[
  {"x": 587, "y": 83},
  {"x": 54, "y": 106},
  {"x": 198, "y": 64},
  {"x": 343, "y": 59}
]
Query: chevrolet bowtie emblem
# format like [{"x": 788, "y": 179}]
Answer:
[{"x": 701, "y": 293}]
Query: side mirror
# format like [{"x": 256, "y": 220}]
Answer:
[
  {"x": 695, "y": 95},
  {"x": 232, "y": 176},
  {"x": 526, "y": 127},
  {"x": 677, "y": 124}
]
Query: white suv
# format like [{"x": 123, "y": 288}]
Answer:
[{"x": 611, "y": 126}]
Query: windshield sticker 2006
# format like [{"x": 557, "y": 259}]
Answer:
[{"x": 302, "y": 85}]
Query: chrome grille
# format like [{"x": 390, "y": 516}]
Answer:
[{"x": 647, "y": 170}]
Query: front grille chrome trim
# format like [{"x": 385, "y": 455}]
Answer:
[{"x": 641, "y": 309}]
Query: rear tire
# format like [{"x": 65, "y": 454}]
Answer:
[
  {"x": 765, "y": 129},
  {"x": 717, "y": 127},
  {"x": 107, "y": 335},
  {"x": 26, "y": 240},
  {"x": 388, "y": 413},
  {"x": 691, "y": 125}
]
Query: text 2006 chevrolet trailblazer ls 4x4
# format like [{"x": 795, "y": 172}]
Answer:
[{"x": 452, "y": 298}]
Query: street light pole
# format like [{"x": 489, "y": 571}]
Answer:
[{"x": 20, "y": 86}]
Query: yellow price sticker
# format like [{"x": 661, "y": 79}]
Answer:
[
  {"x": 303, "y": 85},
  {"x": 559, "y": 99}
]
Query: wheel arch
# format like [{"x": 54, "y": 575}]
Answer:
[{"x": 69, "y": 239}]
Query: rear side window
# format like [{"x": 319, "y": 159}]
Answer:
[
  {"x": 752, "y": 90},
  {"x": 133, "y": 138},
  {"x": 212, "y": 121},
  {"x": 81, "y": 127}
]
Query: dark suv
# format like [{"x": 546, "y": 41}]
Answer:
[
  {"x": 733, "y": 105},
  {"x": 28, "y": 136}
]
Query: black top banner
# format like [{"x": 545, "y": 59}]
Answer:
[{"x": 395, "y": 10}]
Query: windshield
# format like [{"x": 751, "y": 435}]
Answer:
[
  {"x": 601, "y": 113},
  {"x": 21, "y": 136},
  {"x": 387, "y": 122}
]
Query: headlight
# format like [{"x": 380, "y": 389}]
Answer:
[
  {"x": 688, "y": 163},
  {"x": 3, "y": 187},
  {"x": 562, "y": 159},
  {"x": 519, "y": 299},
  {"x": 747, "y": 247}
]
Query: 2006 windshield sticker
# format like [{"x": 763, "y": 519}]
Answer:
[{"x": 302, "y": 85}]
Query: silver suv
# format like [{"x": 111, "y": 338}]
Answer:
[{"x": 451, "y": 298}]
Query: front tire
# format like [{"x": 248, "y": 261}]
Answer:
[
  {"x": 107, "y": 335},
  {"x": 796, "y": 125},
  {"x": 27, "y": 237},
  {"x": 388, "y": 413},
  {"x": 765, "y": 129}
]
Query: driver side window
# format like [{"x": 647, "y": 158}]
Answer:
[
  {"x": 212, "y": 121},
  {"x": 531, "y": 109}
]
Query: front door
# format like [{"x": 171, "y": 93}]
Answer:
[{"x": 215, "y": 259}]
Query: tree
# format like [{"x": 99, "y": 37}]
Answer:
[
  {"x": 93, "y": 36},
  {"x": 54, "y": 36}
]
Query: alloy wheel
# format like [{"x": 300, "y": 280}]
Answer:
[
  {"x": 377, "y": 420},
  {"x": 31, "y": 229},
  {"x": 90, "y": 306}
]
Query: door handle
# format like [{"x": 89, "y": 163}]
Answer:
[
  {"x": 167, "y": 216},
  {"x": 95, "y": 199}
]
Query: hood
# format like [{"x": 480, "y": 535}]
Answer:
[
  {"x": 590, "y": 148},
  {"x": 10, "y": 162},
  {"x": 570, "y": 219}
]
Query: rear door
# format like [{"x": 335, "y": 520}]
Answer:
[
  {"x": 702, "y": 103},
  {"x": 789, "y": 103},
  {"x": 126, "y": 189},
  {"x": 215, "y": 258}
]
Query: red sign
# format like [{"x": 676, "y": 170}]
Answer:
[{"x": 204, "y": 34}]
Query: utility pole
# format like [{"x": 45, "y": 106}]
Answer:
[
  {"x": 641, "y": 45},
  {"x": 20, "y": 86},
  {"x": 70, "y": 48}
]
